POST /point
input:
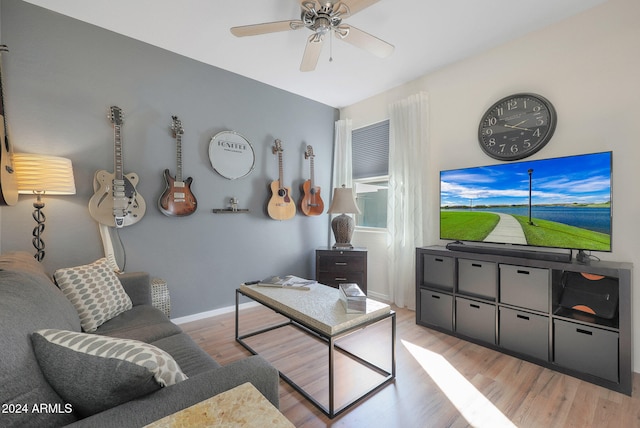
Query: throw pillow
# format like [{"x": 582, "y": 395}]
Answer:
[
  {"x": 94, "y": 373},
  {"x": 96, "y": 292}
]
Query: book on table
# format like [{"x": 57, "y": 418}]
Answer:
[
  {"x": 353, "y": 298},
  {"x": 287, "y": 281}
]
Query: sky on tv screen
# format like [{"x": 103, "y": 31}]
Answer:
[{"x": 583, "y": 179}]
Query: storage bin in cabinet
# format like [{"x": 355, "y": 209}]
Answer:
[
  {"x": 436, "y": 309},
  {"x": 477, "y": 278},
  {"x": 438, "y": 271},
  {"x": 525, "y": 287},
  {"x": 586, "y": 349},
  {"x": 524, "y": 332},
  {"x": 476, "y": 319}
]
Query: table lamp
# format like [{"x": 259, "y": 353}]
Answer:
[
  {"x": 39, "y": 175},
  {"x": 343, "y": 202}
]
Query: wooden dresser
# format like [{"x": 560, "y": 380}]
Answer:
[{"x": 335, "y": 267}]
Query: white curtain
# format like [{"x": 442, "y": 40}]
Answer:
[
  {"x": 408, "y": 139},
  {"x": 342, "y": 165}
]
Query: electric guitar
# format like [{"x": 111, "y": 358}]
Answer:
[
  {"x": 177, "y": 199},
  {"x": 311, "y": 203},
  {"x": 8, "y": 181},
  {"x": 281, "y": 205},
  {"x": 116, "y": 202}
]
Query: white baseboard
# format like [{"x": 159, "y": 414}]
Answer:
[
  {"x": 378, "y": 296},
  {"x": 213, "y": 313}
]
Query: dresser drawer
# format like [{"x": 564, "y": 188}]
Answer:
[
  {"x": 477, "y": 278},
  {"x": 342, "y": 263},
  {"x": 526, "y": 287},
  {"x": 335, "y": 278},
  {"x": 476, "y": 319},
  {"x": 524, "y": 332},
  {"x": 436, "y": 309},
  {"x": 438, "y": 271}
]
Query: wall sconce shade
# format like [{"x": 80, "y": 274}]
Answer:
[
  {"x": 344, "y": 203},
  {"x": 51, "y": 175},
  {"x": 39, "y": 175}
]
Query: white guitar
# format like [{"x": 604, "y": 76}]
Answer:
[{"x": 116, "y": 202}]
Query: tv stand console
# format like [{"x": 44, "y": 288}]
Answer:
[{"x": 512, "y": 304}]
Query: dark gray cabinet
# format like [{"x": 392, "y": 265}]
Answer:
[
  {"x": 335, "y": 267},
  {"x": 512, "y": 304}
]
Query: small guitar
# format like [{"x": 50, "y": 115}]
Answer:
[
  {"x": 281, "y": 205},
  {"x": 311, "y": 203},
  {"x": 8, "y": 181},
  {"x": 116, "y": 202},
  {"x": 177, "y": 199}
]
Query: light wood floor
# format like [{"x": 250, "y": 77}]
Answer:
[{"x": 441, "y": 381}]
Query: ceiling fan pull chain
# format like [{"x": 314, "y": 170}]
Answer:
[{"x": 331, "y": 47}]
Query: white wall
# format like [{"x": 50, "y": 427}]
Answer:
[{"x": 587, "y": 66}]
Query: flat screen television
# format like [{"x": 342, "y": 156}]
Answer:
[{"x": 552, "y": 203}]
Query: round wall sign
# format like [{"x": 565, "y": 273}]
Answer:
[{"x": 231, "y": 155}]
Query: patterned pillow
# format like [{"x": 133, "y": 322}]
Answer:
[
  {"x": 94, "y": 373},
  {"x": 96, "y": 292}
]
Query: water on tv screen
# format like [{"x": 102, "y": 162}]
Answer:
[{"x": 560, "y": 203}]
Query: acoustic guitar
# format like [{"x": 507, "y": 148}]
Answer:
[
  {"x": 177, "y": 200},
  {"x": 281, "y": 206},
  {"x": 116, "y": 202},
  {"x": 8, "y": 181},
  {"x": 311, "y": 203}
]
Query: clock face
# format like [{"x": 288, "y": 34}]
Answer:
[{"x": 517, "y": 126}]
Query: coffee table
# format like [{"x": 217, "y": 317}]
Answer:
[{"x": 319, "y": 312}]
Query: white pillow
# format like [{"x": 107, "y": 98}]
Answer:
[{"x": 96, "y": 292}]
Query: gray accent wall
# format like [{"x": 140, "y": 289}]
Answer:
[{"x": 61, "y": 77}]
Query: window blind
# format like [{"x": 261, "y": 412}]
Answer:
[{"x": 370, "y": 150}]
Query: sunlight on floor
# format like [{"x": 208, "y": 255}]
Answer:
[{"x": 471, "y": 404}]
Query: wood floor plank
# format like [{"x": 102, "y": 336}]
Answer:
[{"x": 441, "y": 381}]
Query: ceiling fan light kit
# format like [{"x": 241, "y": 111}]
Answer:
[{"x": 323, "y": 18}]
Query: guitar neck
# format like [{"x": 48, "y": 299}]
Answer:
[
  {"x": 117, "y": 153},
  {"x": 179, "y": 157},
  {"x": 280, "y": 173},
  {"x": 311, "y": 179}
]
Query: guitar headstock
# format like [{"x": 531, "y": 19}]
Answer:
[
  {"x": 308, "y": 154},
  {"x": 116, "y": 115},
  {"x": 277, "y": 147},
  {"x": 176, "y": 126}
]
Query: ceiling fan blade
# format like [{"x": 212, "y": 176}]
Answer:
[
  {"x": 268, "y": 27},
  {"x": 366, "y": 41},
  {"x": 356, "y": 6},
  {"x": 311, "y": 53}
]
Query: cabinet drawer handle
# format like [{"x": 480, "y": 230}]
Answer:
[
  {"x": 439, "y": 260},
  {"x": 340, "y": 279},
  {"x": 474, "y": 306},
  {"x": 476, "y": 265},
  {"x": 523, "y": 272},
  {"x": 341, "y": 263},
  {"x": 435, "y": 297},
  {"x": 587, "y": 332},
  {"x": 522, "y": 317}
]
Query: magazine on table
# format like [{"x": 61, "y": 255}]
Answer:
[{"x": 287, "y": 281}]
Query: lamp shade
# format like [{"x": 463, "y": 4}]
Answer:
[
  {"x": 51, "y": 175},
  {"x": 343, "y": 201}
]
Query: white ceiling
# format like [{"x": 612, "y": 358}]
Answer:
[{"x": 427, "y": 35}]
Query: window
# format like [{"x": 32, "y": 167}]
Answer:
[{"x": 370, "y": 151}]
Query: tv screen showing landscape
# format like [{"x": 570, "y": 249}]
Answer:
[{"x": 560, "y": 203}]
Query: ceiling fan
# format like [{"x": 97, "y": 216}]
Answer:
[{"x": 323, "y": 18}]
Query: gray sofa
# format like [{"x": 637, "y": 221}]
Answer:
[{"x": 30, "y": 301}]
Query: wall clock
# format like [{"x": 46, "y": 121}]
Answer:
[{"x": 517, "y": 126}]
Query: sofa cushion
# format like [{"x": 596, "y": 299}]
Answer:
[
  {"x": 190, "y": 357},
  {"x": 29, "y": 301},
  {"x": 95, "y": 373},
  {"x": 95, "y": 291},
  {"x": 144, "y": 323}
]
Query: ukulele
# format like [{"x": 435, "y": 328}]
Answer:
[
  {"x": 8, "y": 182},
  {"x": 311, "y": 203},
  {"x": 281, "y": 205},
  {"x": 116, "y": 202},
  {"x": 177, "y": 199}
]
